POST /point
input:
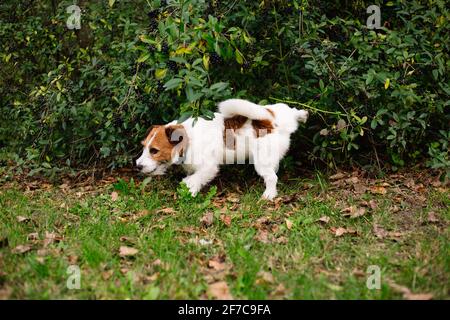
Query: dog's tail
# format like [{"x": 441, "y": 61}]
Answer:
[{"x": 234, "y": 107}]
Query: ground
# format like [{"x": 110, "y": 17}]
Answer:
[{"x": 139, "y": 239}]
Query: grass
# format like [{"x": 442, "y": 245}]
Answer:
[{"x": 277, "y": 250}]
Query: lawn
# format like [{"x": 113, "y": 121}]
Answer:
[{"x": 150, "y": 240}]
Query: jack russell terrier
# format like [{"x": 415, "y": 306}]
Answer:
[{"x": 240, "y": 131}]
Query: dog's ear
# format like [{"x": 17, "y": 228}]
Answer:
[
  {"x": 149, "y": 130},
  {"x": 175, "y": 133}
]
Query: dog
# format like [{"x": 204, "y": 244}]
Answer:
[{"x": 240, "y": 131}]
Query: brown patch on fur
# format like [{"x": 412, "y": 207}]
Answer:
[
  {"x": 230, "y": 126},
  {"x": 165, "y": 140},
  {"x": 262, "y": 127}
]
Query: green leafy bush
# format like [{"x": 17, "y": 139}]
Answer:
[{"x": 85, "y": 97}]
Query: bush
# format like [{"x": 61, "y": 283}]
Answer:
[{"x": 86, "y": 97}]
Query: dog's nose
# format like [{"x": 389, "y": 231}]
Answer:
[{"x": 139, "y": 167}]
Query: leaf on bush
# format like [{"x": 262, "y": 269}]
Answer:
[
  {"x": 173, "y": 83},
  {"x": 160, "y": 74}
]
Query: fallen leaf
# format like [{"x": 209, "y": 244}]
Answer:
[
  {"x": 432, "y": 217},
  {"x": 289, "y": 224},
  {"x": 220, "y": 291},
  {"x": 125, "y": 251},
  {"x": 264, "y": 277},
  {"x": 114, "y": 196},
  {"x": 33, "y": 236},
  {"x": 22, "y": 219},
  {"x": 418, "y": 296},
  {"x": 382, "y": 233},
  {"x": 226, "y": 219},
  {"x": 353, "y": 212},
  {"x": 167, "y": 211},
  {"x": 73, "y": 259},
  {"x": 337, "y": 176},
  {"x": 21, "y": 249},
  {"x": 378, "y": 190},
  {"x": 338, "y": 232},
  {"x": 262, "y": 236},
  {"x": 217, "y": 264},
  {"x": 107, "y": 274},
  {"x": 324, "y": 219},
  {"x": 207, "y": 219},
  {"x": 51, "y": 237},
  {"x": 233, "y": 198}
]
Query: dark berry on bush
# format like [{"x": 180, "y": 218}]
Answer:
[
  {"x": 153, "y": 25},
  {"x": 215, "y": 58},
  {"x": 151, "y": 48},
  {"x": 246, "y": 65},
  {"x": 153, "y": 14},
  {"x": 159, "y": 87},
  {"x": 165, "y": 48},
  {"x": 172, "y": 65},
  {"x": 163, "y": 3}
]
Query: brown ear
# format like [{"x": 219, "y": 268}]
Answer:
[
  {"x": 147, "y": 135},
  {"x": 175, "y": 134}
]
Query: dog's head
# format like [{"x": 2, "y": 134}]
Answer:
[{"x": 163, "y": 146}]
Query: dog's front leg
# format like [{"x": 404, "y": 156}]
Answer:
[{"x": 200, "y": 178}]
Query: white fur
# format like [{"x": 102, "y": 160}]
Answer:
[{"x": 206, "y": 149}]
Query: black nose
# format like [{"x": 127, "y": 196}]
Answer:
[{"x": 139, "y": 167}]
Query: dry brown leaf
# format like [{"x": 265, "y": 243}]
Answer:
[
  {"x": 125, "y": 251},
  {"x": 107, "y": 274},
  {"x": 217, "y": 265},
  {"x": 262, "y": 236},
  {"x": 353, "y": 212},
  {"x": 22, "y": 219},
  {"x": 341, "y": 231},
  {"x": 337, "y": 176},
  {"x": 33, "y": 236},
  {"x": 432, "y": 217},
  {"x": 51, "y": 237},
  {"x": 324, "y": 219},
  {"x": 167, "y": 211},
  {"x": 289, "y": 224},
  {"x": 233, "y": 198},
  {"x": 418, "y": 296},
  {"x": 207, "y": 219},
  {"x": 226, "y": 219},
  {"x": 378, "y": 190},
  {"x": 264, "y": 277},
  {"x": 220, "y": 291},
  {"x": 114, "y": 196},
  {"x": 21, "y": 249}
]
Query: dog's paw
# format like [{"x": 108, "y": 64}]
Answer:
[
  {"x": 269, "y": 194},
  {"x": 193, "y": 185}
]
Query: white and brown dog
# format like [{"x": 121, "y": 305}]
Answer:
[{"x": 240, "y": 131}]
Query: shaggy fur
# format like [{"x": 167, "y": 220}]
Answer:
[{"x": 240, "y": 131}]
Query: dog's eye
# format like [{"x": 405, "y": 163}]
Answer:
[{"x": 153, "y": 151}]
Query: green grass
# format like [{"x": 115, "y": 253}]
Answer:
[{"x": 307, "y": 262}]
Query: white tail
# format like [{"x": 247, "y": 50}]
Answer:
[{"x": 234, "y": 107}]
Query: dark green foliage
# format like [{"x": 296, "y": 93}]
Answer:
[{"x": 85, "y": 97}]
